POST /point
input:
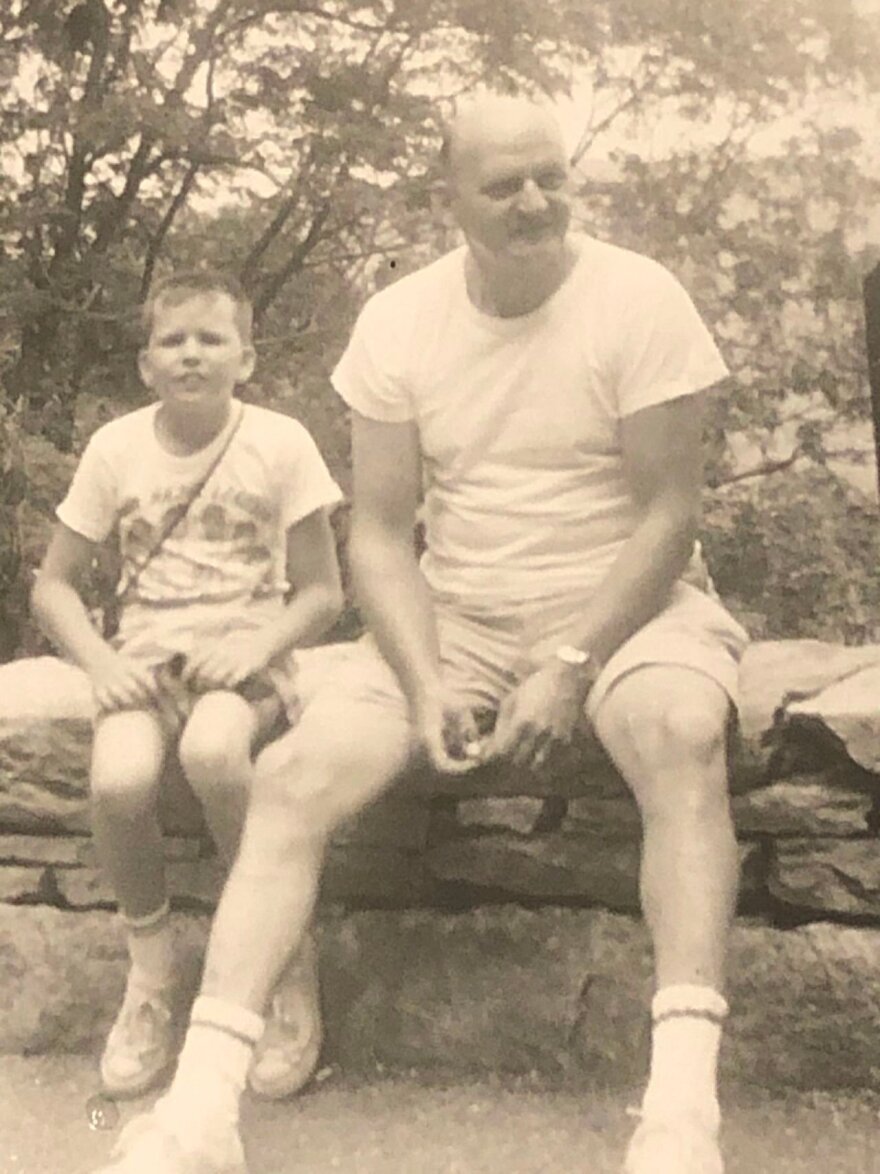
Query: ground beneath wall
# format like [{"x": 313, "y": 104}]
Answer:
[{"x": 399, "y": 1126}]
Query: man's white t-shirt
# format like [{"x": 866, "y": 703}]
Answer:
[
  {"x": 227, "y": 557},
  {"x": 518, "y": 418}
]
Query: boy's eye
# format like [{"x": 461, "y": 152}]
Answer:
[{"x": 210, "y": 339}]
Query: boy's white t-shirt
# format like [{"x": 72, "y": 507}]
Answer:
[
  {"x": 518, "y": 418},
  {"x": 225, "y": 562}
]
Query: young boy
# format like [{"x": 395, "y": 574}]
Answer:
[{"x": 228, "y": 563}]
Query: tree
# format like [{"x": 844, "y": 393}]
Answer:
[{"x": 295, "y": 141}]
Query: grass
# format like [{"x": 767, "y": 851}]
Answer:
[{"x": 408, "y": 1126}]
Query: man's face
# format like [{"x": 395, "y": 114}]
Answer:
[
  {"x": 195, "y": 355},
  {"x": 511, "y": 190}
]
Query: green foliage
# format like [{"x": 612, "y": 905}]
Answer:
[{"x": 296, "y": 143}]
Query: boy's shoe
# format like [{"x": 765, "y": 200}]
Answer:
[
  {"x": 682, "y": 1144},
  {"x": 140, "y": 1047},
  {"x": 147, "y": 1146},
  {"x": 287, "y": 1053}
]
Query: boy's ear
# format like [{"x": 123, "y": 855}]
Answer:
[{"x": 144, "y": 368}]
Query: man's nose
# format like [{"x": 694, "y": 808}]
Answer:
[
  {"x": 531, "y": 198},
  {"x": 191, "y": 352}
]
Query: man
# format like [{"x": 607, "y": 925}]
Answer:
[{"x": 545, "y": 389}]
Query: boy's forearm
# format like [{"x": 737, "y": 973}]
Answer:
[
  {"x": 305, "y": 619},
  {"x": 64, "y": 619}
]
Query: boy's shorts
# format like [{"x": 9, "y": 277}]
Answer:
[{"x": 161, "y": 641}]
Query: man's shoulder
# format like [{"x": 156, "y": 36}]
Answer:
[
  {"x": 617, "y": 267},
  {"x": 409, "y": 294}
]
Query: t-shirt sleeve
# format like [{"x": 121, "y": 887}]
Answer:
[
  {"x": 306, "y": 482},
  {"x": 370, "y": 376},
  {"x": 91, "y": 504},
  {"x": 665, "y": 350}
]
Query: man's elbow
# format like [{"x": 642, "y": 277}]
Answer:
[{"x": 332, "y": 604}]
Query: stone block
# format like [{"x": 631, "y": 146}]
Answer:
[
  {"x": 595, "y": 868},
  {"x": 559, "y": 992},
  {"x": 803, "y": 807},
  {"x": 830, "y": 877}
]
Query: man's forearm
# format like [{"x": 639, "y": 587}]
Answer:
[
  {"x": 394, "y": 599},
  {"x": 637, "y": 585}
]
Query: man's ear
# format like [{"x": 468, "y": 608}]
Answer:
[{"x": 248, "y": 362}]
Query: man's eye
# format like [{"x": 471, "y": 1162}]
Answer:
[
  {"x": 550, "y": 181},
  {"x": 170, "y": 340},
  {"x": 503, "y": 189},
  {"x": 211, "y": 339}
]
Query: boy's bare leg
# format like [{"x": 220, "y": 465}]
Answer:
[
  {"x": 128, "y": 753},
  {"x": 215, "y": 754},
  {"x": 127, "y": 759}
]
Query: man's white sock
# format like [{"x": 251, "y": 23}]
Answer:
[
  {"x": 213, "y": 1067},
  {"x": 151, "y": 949},
  {"x": 687, "y": 1023}
]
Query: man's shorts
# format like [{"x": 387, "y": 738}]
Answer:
[{"x": 486, "y": 654}]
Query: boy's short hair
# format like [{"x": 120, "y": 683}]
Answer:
[{"x": 179, "y": 287}]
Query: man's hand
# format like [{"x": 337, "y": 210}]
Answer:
[
  {"x": 541, "y": 713},
  {"x": 448, "y": 734},
  {"x": 225, "y": 663},
  {"x": 121, "y": 683}
]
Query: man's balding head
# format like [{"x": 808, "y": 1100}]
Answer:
[{"x": 482, "y": 120}]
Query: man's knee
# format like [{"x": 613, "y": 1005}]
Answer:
[{"x": 325, "y": 769}]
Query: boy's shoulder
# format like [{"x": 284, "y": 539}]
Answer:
[
  {"x": 270, "y": 423},
  {"x": 118, "y": 432}
]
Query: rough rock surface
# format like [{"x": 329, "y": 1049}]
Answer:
[{"x": 562, "y": 992}]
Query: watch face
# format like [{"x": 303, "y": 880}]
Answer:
[{"x": 568, "y": 654}]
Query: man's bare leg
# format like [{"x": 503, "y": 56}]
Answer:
[{"x": 665, "y": 727}]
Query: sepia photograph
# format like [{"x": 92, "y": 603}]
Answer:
[{"x": 439, "y": 593}]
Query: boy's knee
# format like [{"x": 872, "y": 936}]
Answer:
[
  {"x": 127, "y": 787},
  {"x": 214, "y": 748},
  {"x": 127, "y": 760}
]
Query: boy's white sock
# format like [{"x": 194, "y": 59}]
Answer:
[
  {"x": 151, "y": 949},
  {"x": 212, "y": 1069},
  {"x": 687, "y": 1023}
]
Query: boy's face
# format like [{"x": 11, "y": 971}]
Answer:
[{"x": 195, "y": 355}]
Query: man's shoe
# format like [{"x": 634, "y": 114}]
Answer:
[
  {"x": 147, "y": 1146},
  {"x": 681, "y": 1144},
  {"x": 287, "y": 1053},
  {"x": 140, "y": 1047}
]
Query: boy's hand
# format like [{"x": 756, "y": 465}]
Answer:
[
  {"x": 227, "y": 662},
  {"x": 121, "y": 683}
]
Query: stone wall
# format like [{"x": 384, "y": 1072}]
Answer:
[
  {"x": 512, "y": 896},
  {"x": 805, "y": 768}
]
